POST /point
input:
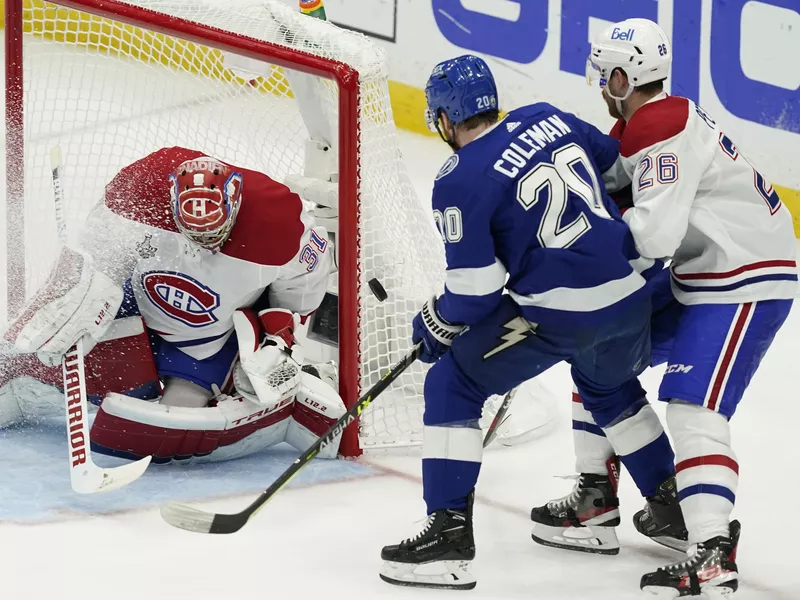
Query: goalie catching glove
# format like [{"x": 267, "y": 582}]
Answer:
[
  {"x": 77, "y": 301},
  {"x": 275, "y": 400}
]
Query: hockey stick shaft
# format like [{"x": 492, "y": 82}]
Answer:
[
  {"x": 500, "y": 417},
  {"x": 192, "y": 519},
  {"x": 85, "y": 476},
  {"x": 76, "y": 407},
  {"x": 58, "y": 194}
]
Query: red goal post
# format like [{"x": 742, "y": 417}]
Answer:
[
  {"x": 364, "y": 348},
  {"x": 111, "y": 81}
]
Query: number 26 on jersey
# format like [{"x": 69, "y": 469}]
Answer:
[{"x": 663, "y": 169}]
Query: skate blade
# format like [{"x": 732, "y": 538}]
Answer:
[
  {"x": 442, "y": 574},
  {"x": 716, "y": 593},
  {"x": 661, "y": 593},
  {"x": 595, "y": 540},
  {"x": 707, "y": 592}
]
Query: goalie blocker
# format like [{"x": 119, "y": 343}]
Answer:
[
  {"x": 77, "y": 302},
  {"x": 274, "y": 400}
]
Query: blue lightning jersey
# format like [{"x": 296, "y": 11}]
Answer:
[{"x": 523, "y": 208}]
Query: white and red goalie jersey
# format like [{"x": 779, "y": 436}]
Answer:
[
  {"x": 187, "y": 294},
  {"x": 198, "y": 299},
  {"x": 698, "y": 201}
]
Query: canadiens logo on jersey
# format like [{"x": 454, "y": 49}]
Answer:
[{"x": 181, "y": 297}]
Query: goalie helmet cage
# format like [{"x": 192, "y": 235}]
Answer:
[{"x": 111, "y": 81}]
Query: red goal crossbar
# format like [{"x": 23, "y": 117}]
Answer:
[{"x": 347, "y": 80}]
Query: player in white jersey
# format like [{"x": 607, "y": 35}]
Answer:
[
  {"x": 183, "y": 251},
  {"x": 697, "y": 201}
]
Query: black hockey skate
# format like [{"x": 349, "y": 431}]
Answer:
[
  {"x": 662, "y": 518},
  {"x": 709, "y": 571},
  {"x": 438, "y": 556},
  {"x": 584, "y": 520}
]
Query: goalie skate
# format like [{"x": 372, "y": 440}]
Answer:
[{"x": 584, "y": 520}]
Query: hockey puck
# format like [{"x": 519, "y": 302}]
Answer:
[{"x": 377, "y": 289}]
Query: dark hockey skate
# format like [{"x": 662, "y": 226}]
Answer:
[
  {"x": 662, "y": 518},
  {"x": 584, "y": 520},
  {"x": 709, "y": 571},
  {"x": 438, "y": 556}
]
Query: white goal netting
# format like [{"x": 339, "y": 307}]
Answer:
[{"x": 109, "y": 93}]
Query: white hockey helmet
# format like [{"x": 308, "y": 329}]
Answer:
[{"x": 637, "y": 46}]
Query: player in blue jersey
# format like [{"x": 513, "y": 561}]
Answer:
[{"x": 540, "y": 269}]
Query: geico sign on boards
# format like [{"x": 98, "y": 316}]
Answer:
[{"x": 518, "y": 31}]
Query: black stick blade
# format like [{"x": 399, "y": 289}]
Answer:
[{"x": 200, "y": 521}]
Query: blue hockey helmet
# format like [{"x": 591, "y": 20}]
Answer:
[{"x": 461, "y": 88}]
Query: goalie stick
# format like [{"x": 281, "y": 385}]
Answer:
[
  {"x": 85, "y": 476},
  {"x": 193, "y": 519}
]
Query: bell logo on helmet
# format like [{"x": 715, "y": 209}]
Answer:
[
  {"x": 181, "y": 297},
  {"x": 625, "y": 35}
]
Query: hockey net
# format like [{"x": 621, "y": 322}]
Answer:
[{"x": 110, "y": 82}]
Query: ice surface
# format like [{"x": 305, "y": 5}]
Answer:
[{"x": 322, "y": 536}]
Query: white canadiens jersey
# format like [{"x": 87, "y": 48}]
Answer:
[
  {"x": 699, "y": 202},
  {"x": 187, "y": 294}
]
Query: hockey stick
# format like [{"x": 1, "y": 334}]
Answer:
[
  {"x": 193, "y": 519},
  {"x": 500, "y": 417},
  {"x": 85, "y": 476}
]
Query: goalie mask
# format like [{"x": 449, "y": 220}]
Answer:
[{"x": 205, "y": 200}]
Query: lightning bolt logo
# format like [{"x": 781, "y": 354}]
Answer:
[{"x": 518, "y": 331}]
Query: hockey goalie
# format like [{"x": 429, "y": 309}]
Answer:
[{"x": 188, "y": 288}]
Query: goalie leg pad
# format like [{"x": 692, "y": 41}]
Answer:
[
  {"x": 77, "y": 300},
  {"x": 235, "y": 427},
  {"x": 317, "y": 406},
  {"x": 121, "y": 362}
]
